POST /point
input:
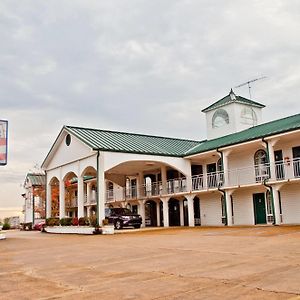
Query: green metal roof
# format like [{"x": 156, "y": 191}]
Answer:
[
  {"x": 115, "y": 141},
  {"x": 232, "y": 99},
  {"x": 36, "y": 178},
  {"x": 260, "y": 131}
]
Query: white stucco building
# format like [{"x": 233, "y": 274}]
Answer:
[{"x": 246, "y": 172}]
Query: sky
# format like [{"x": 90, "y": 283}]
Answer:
[{"x": 138, "y": 66}]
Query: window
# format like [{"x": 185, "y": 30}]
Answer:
[
  {"x": 223, "y": 205},
  {"x": 270, "y": 214},
  {"x": 220, "y": 118},
  {"x": 248, "y": 116},
  {"x": 262, "y": 169}
]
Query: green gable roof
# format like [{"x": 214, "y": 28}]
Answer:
[
  {"x": 236, "y": 99},
  {"x": 36, "y": 179},
  {"x": 115, "y": 141},
  {"x": 260, "y": 131}
]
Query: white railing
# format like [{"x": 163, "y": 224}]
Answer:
[{"x": 234, "y": 177}]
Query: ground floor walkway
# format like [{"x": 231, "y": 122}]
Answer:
[{"x": 165, "y": 263}]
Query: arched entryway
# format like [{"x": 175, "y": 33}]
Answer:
[
  {"x": 174, "y": 212},
  {"x": 54, "y": 191},
  {"x": 151, "y": 213}
]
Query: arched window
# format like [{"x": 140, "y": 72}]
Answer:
[
  {"x": 270, "y": 214},
  {"x": 262, "y": 169},
  {"x": 220, "y": 118},
  {"x": 248, "y": 116}
]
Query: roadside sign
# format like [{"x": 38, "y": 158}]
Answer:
[{"x": 3, "y": 142}]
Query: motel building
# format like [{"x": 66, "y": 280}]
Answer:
[{"x": 247, "y": 172}]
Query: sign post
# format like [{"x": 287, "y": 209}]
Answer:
[{"x": 3, "y": 142}]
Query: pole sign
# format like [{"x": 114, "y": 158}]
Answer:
[{"x": 3, "y": 142}]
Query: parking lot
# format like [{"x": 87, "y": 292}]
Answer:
[{"x": 177, "y": 263}]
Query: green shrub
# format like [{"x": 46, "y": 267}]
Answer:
[
  {"x": 52, "y": 221},
  {"x": 65, "y": 221},
  {"x": 6, "y": 226},
  {"x": 83, "y": 221},
  {"x": 93, "y": 221}
]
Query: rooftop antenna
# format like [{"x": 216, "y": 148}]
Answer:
[{"x": 248, "y": 83}]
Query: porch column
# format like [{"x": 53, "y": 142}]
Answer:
[
  {"x": 164, "y": 179},
  {"x": 101, "y": 192},
  {"x": 165, "y": 202},
  {"x": 181, "y": 211},
  {"x": 142, "y": 212},
  {"x": 189, "y": 179},
  {"x": 190, "y": 201},
  {"x": 158, "y": 213},
  {"x": 80, "y": 197},
  {"x": 228, "y": 194},
  {"x": 88, "y": 192},
  {"x": 88, "y": 211},
  {"x": 276, "y": 205},
  {"x": 140, "y": 182},
  {"x": 225, "y": 167},
  {"x": 48, "y": 201},
  {"x": 62, "y": 207},
  {"x": 270, "y": 149}
]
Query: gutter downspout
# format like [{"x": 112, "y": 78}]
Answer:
[
  {"x": 45, "y": 195},
  {"x": 223, "y": 191},
  {"x": 97, "y": 193},
  {"x": 267, "y": 185}
]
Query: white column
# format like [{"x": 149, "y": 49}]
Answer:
[
  {"x": 80, "y": 196},
  {"x": 101, "y": 189},
  {"x": 164, "y": 179},
  {"x": 48, "y": 201},
  {"x": 139, "y": 184},
  {"x": 62, "y": 210},
  {"x": 165, "y": 202},
  {"x": 189, "y": 179},
  {"x": 276, "y": 206},
  {"x": 158, "y": 213},
  {"x": 88, "y": 192},
  {"x": 190, "y": 201},
  {"x": 142, "y": 212},
  {"x": 181, "y": 211},
  {"x": 225, "y": 167},
  {"x": 228, "y": 208},
  {"x": 272, "y": 161}
]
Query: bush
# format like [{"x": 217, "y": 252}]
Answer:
[
  {"x": 52, "y": 221},
  {"x": 75, "y": 221},
  {"x": 83, "y": 221},
  {"x": 93, "y": 221},
  {"x": 6, "y": 226},
  {"x": 105, "y": 222},
  {"x": 65, "y": 221}
]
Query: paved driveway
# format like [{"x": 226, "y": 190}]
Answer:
[{"x": 178, "y": 263}]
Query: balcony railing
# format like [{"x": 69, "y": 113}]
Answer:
[{"x": 280, "y": 170}]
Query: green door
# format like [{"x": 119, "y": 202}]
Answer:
[{"x": 259, "y": 208}]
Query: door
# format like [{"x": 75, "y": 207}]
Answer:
[
  {"x": 279, "y": 166},
  {"x": 296, "y": 161},
  {"x": 211, "y": 175},
  {"x": 259, "y": 208},
  {"x": 174, "y": 212}
]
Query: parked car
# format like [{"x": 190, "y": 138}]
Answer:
[
  {"x": 39, "y": 226},
  {"x": 123, "y": 217}
]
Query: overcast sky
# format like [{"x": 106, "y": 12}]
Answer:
[{"x": 145, "y": 66}]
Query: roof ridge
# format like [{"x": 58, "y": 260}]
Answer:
[{"x": 132, "y": 133}]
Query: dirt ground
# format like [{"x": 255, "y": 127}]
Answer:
[{"x": 177, "y": 263}]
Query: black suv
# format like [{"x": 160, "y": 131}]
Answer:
[{"x": 122, "y": 217}]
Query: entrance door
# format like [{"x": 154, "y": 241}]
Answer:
[
  {"x": 279, "y": 166},
  {"x": 259, "y": 208},
  {"x": 174, "y": 212},
  {"x": 211, "y": 175},
  {"x": 296, "y": 161}
]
